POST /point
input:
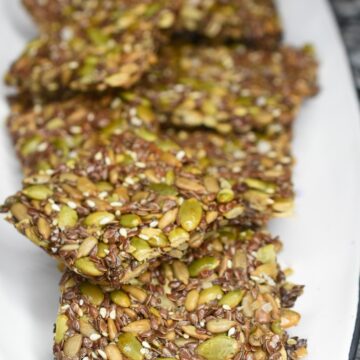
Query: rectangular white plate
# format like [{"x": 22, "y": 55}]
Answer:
[{"x": 321, "y": 240}]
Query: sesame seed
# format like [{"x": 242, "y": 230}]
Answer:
[{"x": 95, "y": 337}]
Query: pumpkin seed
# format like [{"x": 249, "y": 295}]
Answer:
[
  {"x": 135, "y": 291},
  {"x": 99, "y": 218},
  {"x": 178, "y": 236},
  {"x": 93, "y": 293},
  {"x": 19, "y": 211},
  {"x": 266, "y": 254},
  {"x": 218, "y": 326},
  {"x": 61, "y": 328},
  {"x": 234, "y": 212},
  {"x": 232, "y": 298},
  {"x": 112, "y": 352},
  {"x": 210, "y": 294},
  {"x": 37, "y": 192},
  {"x": 191, "y": 300},
  {"x": 225, "y": 196},
  {"x": 72, "y": 345},
  {"x": 120, "y": 298},
  {"x": 218, "y": 347},
  {"x": 130, "y": 220},
  {"x": 190, "y": 214},
  {"x": 86, "y": 246},
  {"x": 163, "y": 189},
  {"x": 205, "y": 263},
  {"x": 130, "y": 346},
  {"x": 181, "y": 271},
  {"x": 87, "y": 267},
  {"x": 67, "y": 217},
  {"x": 138, "y": 327}
]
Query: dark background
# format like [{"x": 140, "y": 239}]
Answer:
[{"x": 348, "y": 17}]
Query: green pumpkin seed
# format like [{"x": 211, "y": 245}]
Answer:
[
  {"x": 38, "y": 192},
  {"x": 219, "y": 347},
  {"x": 138, "y": 327},
  {"x": 87, "y": 246},
  {"x": 99, "y": 218},
  {"x": 266, "y": 254},
  {"x": 61, "y": 328},
  {"x": 130, "y": 220},
  {"x": 190, "y": 214},
  {"x": 93, "y": 293},
  {"x": 87, "y": 267},
  {"x": 163, "y": 189},
  {"x": 44, "y": 228},
  {"x": 210, "y": 294},
  {"x": 191, "y": 300},
  {"x": 120, "y": 298},
  {"x": 67, "y": 217},
  {"x": 31, "y": 145},
  {"x": 156, "y": 237},
  {"x": 202, "y": 264},
  {"x": 130, "y": 346},
  {"x": 146, "y": 134},
  {"x": 225, "y": 196},
  {"x": 142, "y": 250},
  {"x": 102, "y": 250},
  {"x": 181, "y": 271},
  {"x": 178, "y": 236},
  {"x": 234, "y": 212},
  {"x": 218, "y": 326},
  {"x": 232, "y": 299},
  {"x": 276, "y": 327},
  {"x": 19, "y": 212},
  {"x": 262, "y": 186}
]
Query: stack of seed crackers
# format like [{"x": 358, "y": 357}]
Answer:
[{"x": 155, "y": 141}]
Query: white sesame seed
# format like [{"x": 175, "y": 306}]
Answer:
[
  {"x": 229, "y": 264},
  {"x": 42, "y": 147},
  {"x": 98, "y": 156},
  {"x": 231, "y": 331},
  {"x": 103, "y": 312},
  {"x": 116, "y": 203},
  {"x": 186, "y": 336},
  {"x": 146, "y": 345},
  {"x": 81, "y": 302},
  {"x": 113, "y": 314},
  {"x": 180, "y": 155},
  {"x": 66, "y": 33},
  {"x": 123, "y": 232},
  {"x": 102, "y": 354},
  {"x": 263, "y": 147},
  {"x": 226, "y": 307},
  {"x": 103, "y": 194},
  {"x": 135, "y": 121},
  {"x": 55, "y": 207},
  {"x": 140, "y": 164},
  {"x": 154, "y": 223},
  {"x": 90, "y": 203},
  {"x": 95, "y": 337},
  {"x": 71, "y": 204},
  {"x": 75, "y": 129}
]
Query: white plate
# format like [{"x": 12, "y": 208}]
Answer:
[{"x": 321, "y": 240}]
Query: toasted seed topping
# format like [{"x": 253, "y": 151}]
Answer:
[{"x": 166, "y": 313}]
